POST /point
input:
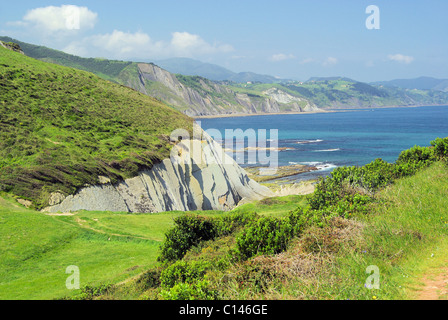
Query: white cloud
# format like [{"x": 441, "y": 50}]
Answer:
[
  {"x": 307, "y": 60},
  {"x": 56, "y": 27},
  {"x": 330, "y": 61},
  {"x": 400, "y": 58},
  {"x": 282, "y": 57},
  {"x": 63, "y": 18},
  {"x": 125, "y": 45},
  {"x": 187, "y": 44}
]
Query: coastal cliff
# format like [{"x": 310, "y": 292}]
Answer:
[
  {"x": 198, "y": 176},
  {"x": 197, "y": 96}
]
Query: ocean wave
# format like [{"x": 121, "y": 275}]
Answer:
[
  {"x": 311, "y": 163},
  {"x": 309, "y": 141},
  {"x": 328, "y": 150},
  {"x": 326, "y": 166}
]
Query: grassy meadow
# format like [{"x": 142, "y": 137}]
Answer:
[{"x": 108, "y": 247}]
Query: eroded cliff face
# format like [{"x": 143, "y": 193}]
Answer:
[
  {"x": 208, "y": 97},
  {"x": 198, "y": 176}
]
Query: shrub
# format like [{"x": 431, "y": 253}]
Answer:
[
  {"x": 228, "y": 224},
  {"x": 150, "y": 279},
  {"x": 258, "y": 275},
  {"x": 346, "y": 181},
  {"x": 184, "y": 291},
  {"x": 189, "y": 231},
  {"x": 89, "y": 292},
  {"x": 266, "y": 235},
  {"x": 409, "y": 161},
  {"x": 440, "y": 148},
  {"x": 183, "y": 272}
]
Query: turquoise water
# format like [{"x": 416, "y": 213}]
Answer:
[{"x": 329, "y": 140}]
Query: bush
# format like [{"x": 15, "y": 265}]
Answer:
[
  {"x": 149, "y": 279},
  {"x": 440, "y": 148},
  {"x": 89, "y": 292},
  {"x": 409, "y": 161},
  {"x": 183, "y": 272},
  {"x": 228, "y": 224},
  {"x": 184, "y": 291},
  {"x": 266, "y": 235},
  {"x": 347, "y": 181},
  {"x": 189, "y": 231}
]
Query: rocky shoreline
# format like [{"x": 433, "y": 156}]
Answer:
[{"x": 265, "y": 174}]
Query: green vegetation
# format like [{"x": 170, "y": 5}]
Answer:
[
  {"x": 61, "y": 128},
  {"x": 343, "y": 92},
  {"x": 306, "y": 247},
  {"x": 108, "y": 69},
  {"x": 344, "y": 222},
  {"x": 109, "y": 247}
]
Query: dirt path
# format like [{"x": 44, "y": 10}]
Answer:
[
  {"x": 83, "y": 224},
  {"x": 435, "y": 286}
]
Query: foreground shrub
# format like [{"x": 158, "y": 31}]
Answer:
[
  {"x": 89, "y": 292},
  {"x": 266, "y": 235},
  {"x": 228, "y": 224},
  {"x": 440, "y": 148},
  {"x": 199, "y": 290},
  {"x": 183, "y": 272},
  {"x": 411, "y": 160},
  {"x": 149, "y": 279},
  {"x": 189, "y": 231}
]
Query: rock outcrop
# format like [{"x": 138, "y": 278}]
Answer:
[{"x": 198, "y": 176}]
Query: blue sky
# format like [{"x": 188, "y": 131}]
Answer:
[{"x": 285, "y": 38}]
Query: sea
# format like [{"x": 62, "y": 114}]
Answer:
[{"x": 330, "y": 140}]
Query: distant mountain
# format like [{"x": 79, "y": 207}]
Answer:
[
  {"x": 191, "y": 67},
  {"x": 421, "y": 83},
  {"x": 317, "y": 79},
  {"x": 244, "y": 77}
]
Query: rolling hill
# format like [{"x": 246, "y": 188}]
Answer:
[
  {"x": 421, "y": 83},
  {"x": 62, "y": 128}
]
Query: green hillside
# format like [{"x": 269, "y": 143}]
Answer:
[
  {"x": 61, "y": 128},
  {"x": 107, "y": 69},
  {"x": 346, "y": 93}
]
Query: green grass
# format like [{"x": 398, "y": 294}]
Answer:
[
  {"x": 60, "y": 128},
  {"x": 276, "y": 206},
  {"x": 107, "y": 69},
  {"x": 36, "y": 248}
]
